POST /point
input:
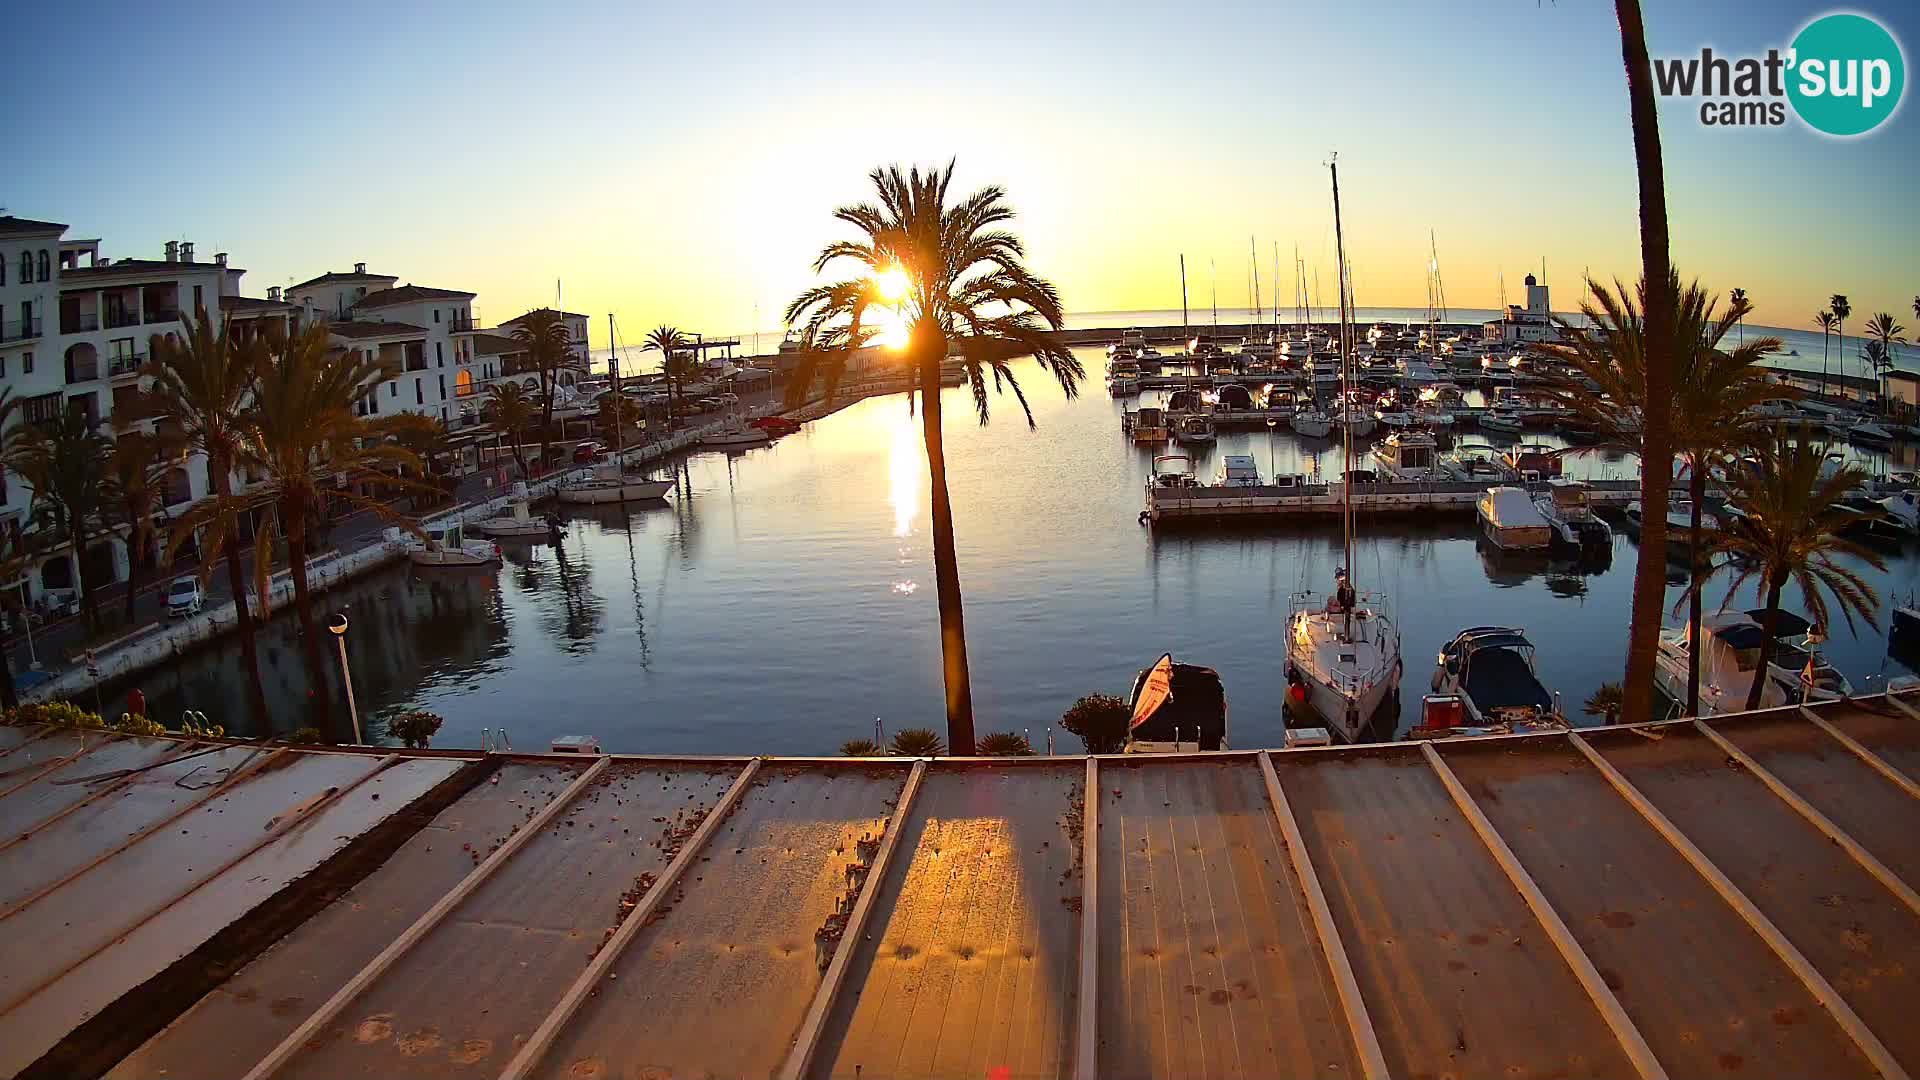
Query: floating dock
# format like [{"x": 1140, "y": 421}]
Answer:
[
  {"x": 1671, "y": 899},
  {"x": 1170, "y": 504}
]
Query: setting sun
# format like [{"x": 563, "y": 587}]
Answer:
[{"x": 891, "y": 283}]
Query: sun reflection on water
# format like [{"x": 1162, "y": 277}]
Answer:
[{"x": 906, "y": 473}]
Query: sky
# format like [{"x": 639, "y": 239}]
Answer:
[{"x": 679, "y": 164}]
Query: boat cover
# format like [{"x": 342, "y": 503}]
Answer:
[{"x": 1500, "y": 678}]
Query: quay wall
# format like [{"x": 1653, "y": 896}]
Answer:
[{"x": 1323, "y": 500}]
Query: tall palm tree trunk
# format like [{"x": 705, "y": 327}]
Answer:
[
  {"x": 1697, "y": 488},
  {"x": 243, "y": 623},
  {"x": 946, "y": 565},
  {"x": 135, "y": 552},
  {"x": 9, "y": 697},
  {"x": 319, "y": 678},
  {"x": 89, "y": 604},
  {"x": 1768, "y": 623},
  {"x": 1656, "y": 456},
  {"x": 1825, "y": 337}
]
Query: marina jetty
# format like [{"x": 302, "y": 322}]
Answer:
[
  {"x": 1682, "y": 898},
  {"x": 1214, "y": 503}
]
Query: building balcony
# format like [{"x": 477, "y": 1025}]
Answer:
[
  {"x": 83, "y": 373},
  {"x": 163, "y": 315},
  {"x": 127, "y": 365},
  {"x": 79, "y": 323},
  {"x": 19, "y": 329},
  {"x": 118, "y": 319},
  {"x": 462, "y": 325}
]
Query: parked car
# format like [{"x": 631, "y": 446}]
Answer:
[
  {"x": 708, "y": 404},
  {"x": 727, "y": 399},
  {"x": 184, "y": 597}
]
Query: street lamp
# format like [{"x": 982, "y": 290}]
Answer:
[
  {"x": 1273, "y": 470},
  {"x": 339, "y": 627}
]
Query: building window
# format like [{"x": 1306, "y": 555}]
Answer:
[
  {"x": 26, "y": 364},
  {"x": 443, "y": 386},
  {"x": 3, "y": 271},
  {"x": 393, "y": 389},
  {"x": 46, "y": 266},
  {"x": 439, "y": 353},
  {"x": 26, "y": 267},
  {"x": 436, "y": 314},
  {"x": 196, "y": 301},
  {"x": 419, "y": 391}
]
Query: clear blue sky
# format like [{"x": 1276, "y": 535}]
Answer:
[{"x": 680, "y": 165}]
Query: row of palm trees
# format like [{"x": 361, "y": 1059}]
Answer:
[
  {"x": 1883, "y": 333},
  {"x": 279, "y": 407}
]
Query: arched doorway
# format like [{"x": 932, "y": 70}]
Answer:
[{"x": 83, "y": 362}]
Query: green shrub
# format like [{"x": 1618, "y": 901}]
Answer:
[
  {"x": 1004, "y": 744},
  {"x": 1101, "y": 720},
  {"x": 415, "y": 728},
  {"x": 305, "y": 736},
  {"x": 917, "y": 742},
  {"x": 129, "y": 724},
  {"x": 860, "y": 748}
]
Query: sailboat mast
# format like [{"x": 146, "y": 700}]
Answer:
[
  {"x": 1253, "y": 257},
  {"x": 1276, "y": 288},
  {"x": 1213, "y": 284},
  {"x": 1185, "y": 329},
  {"x": 613, "y": 376},
  {"x": 1346, "y": 369}
]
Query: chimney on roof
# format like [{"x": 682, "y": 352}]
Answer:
[
  {"x": 186, "y": 251},
  {"x": 359, "y": 268},
  {"x": 273, "y": 293},
  {"x": 173, "y": 251},
  {"x": 220, "y": 258}
]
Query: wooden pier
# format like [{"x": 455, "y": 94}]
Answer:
[{"x": 1181, "y": 504}]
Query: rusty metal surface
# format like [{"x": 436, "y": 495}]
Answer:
[
  {"x": 718, "y": 985},
  {"x": 1208, "y": 959},
  {"x": 968, "y": 967},
  {"x": 1702, "y": 988},
  {"x": 95, "y": 908},
  {"x": 32, "y": 760},
  {"x": 52, "y": 853},
  {"x": 515, "y": 945},
  {"x": 33, "y": 1027},
  {"x": 237, "y": 1024},
  {"x": 1849, "y": 927},
  {"x": 1888, "y": 732},
  {"x": 57, "y": 790},
  {"x": 1857, "y": 798},
  {"x": 11, "y": 737},
  {"x": 1457, "y": 974}
]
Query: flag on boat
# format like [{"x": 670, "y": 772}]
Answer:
[{"x": 1154, "y": 692}]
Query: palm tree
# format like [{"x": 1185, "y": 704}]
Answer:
[
  {"x": 201, "y": 382},
  {"x": 303, "y": 434},
  {"x": 511, "y": 412},
  {"x": 952, "y": 275},
  {"x": 672, "y": 345},
  {"x": 1885, "y": 333},
  {"x": 63, "y": 459},
  {"x": 1712, "y": 393},
  {"x": 1649, "y": 577},
  {"x": 1841, "y": 309},
  {"x": 1737, "y": 300},
  {"x": 15, "y": 557},
  {"x": 136, "y": 472},
  {"x": 1791, "y": 533},
  {"x": 1826, "y": 322},
  {"x": 547, "y": 340}
]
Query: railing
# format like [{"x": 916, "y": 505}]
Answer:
[
  {"x": 118, "y": 319},
  {"x": 19, "y": 329},
  {"x": 81, "y": 323},
  {"x": 459, "y": 325},
  {"x": 169, "y": 315},
  {"x": 79, "y": 373},
  {"x": 129, "y": 364}
]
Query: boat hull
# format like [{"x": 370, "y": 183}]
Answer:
[{"x": 598, "y": 495}]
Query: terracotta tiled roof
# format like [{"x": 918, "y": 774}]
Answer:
[
  {"x": 360, "y": 330},
  {"x": 408, "y": 294},
  {"x": 332, "y": 278},
  {"x": 19, "y": 226}
]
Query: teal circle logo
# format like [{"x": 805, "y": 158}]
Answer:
[{"x": 1848, "y": 74}]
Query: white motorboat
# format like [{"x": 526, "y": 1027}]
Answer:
[
  {"x": 1533, "y": 462},
  {"x": 1868, "y": 433},
  {"x": 1173, "y": 471},
  {"x": 1123, "y": 378},
  {"x": 1568, "y": 508},
  {"x": 1501, "y": 420},
  {"x": 1238, "y": 470},
  {"x": 1901, "y": 512},
  {"x": 1194, "y": 428},
  {"x": 1511, "y": 521},
  {"x": 1409, "y": 456},
  {"x": 744, "y": 436},
  {"x": 1477, "y": 464},
  {"x": 1357, "y": 421},
  {"x": 1489, "y": 673},
  {"x": 608, "y": 484},
  {"x": 1312, "y": 423},
  {"x": 445, "y": 546},
  {"x": 518, "y": 521},
  {"x": 1729, "y": 659},
  {"x": 1148, "y": 425},
  {"x": 1343, "y": 656}
]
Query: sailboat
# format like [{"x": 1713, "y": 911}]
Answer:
[
  {"x": 611, "y": 483},
  {"x": 1343, "y": 655}
]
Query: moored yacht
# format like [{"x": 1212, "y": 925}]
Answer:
[
  {"x": 1194, "y": 428},
  {"x": 1569, "y": 511},
  {"x": 609, "y": 484},
  {"x": 1511, "y": 521},
  {"x": 1486, "y": 681},
  {"x": 1477, "y": 464},
  {"x": 445, "y": 546},
  {"x": 1177, "y": 708},
  {"x": 1730, "y": 661},
  {"x": 1409, "y": 456}
]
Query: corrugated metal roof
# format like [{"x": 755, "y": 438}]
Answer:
[{"x": 1676, "y": 899}]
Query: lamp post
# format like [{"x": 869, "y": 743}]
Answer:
[
  {"x": 339, "y": 627},
  {"x": 1273, "y": 470}
]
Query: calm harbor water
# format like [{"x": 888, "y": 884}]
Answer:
[{"x": 783, "y": 598}]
